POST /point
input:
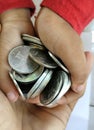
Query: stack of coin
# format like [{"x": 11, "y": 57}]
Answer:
[{"x": 35, "y": 71}]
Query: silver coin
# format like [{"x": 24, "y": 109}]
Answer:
[
  {"x": 31, "y": 39},
  {"x": 52, "y": 89},
  {"x": 42, "y": 57},
  {"x": 37, "y": 46},
  {"x": 63, "y": 91},
  {"x": 16, "y": 85},
  {"x": 28, "y": 78},
  {"x": 60, "y": 64},
  {"x": 20, "y": 61},
  {"x": 40, "y": 84},
  {"x": 55, "y": 89}
]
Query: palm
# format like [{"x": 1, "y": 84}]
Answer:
[{"x": 23, "y": 116}]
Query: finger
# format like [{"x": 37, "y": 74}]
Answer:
[
  {"x": 7, "y": 86},
  {"x": 35, "y": 100},
  {"x": 7, "y": 42},
  {"x": 71, "y": 96},
  {"x": 77, "y": 82}
]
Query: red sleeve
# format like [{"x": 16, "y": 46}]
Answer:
[
  {"x": 77, "y": 12},
  {"x": 9, "y": 4}
]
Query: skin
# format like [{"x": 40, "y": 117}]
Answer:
[
  {"x": 66, "y": 44},
  {"x": 21, "y": 115},
  {"x": 13, "y": 24},
  {"x": 17, "y": 21}
]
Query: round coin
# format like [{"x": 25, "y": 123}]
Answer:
[
  {"x": 40, "y": 84},
  {"x": 42, "y": 57},
  {"x": 20, "y": 61},
  {"x": 59, "y": 62},
  {"x": 55, "y": 89},
  {"x": 16, "y": 85},
  {"x": 37, "y": 46},
  {"x": 52, "y": 89},
  {"x": 65, "y": 87},
  {"x": 31, "y": 39},
  {"x": 29, "y": 78}
]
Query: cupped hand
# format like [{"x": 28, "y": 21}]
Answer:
[
  {"x": 24, "y": 116},
  {"x": 13, "y": 23},
  {"x": 63, "y": 41}
]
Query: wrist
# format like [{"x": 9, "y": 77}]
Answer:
[
  {"x": 17, "y": 19},
  {"x": 13, "y": 15}
]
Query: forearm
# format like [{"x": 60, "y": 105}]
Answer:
[
  {"x": 15, "y": 14},
  {"x": 77, "y": 13}
]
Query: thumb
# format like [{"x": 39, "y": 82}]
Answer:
[{"x": 78, "y": 82}]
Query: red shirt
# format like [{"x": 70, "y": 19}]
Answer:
[
  {"x": 77, "y": 12},
  {"x": 10, "y": 4}
]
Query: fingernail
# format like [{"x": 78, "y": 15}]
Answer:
[
  {"x": 12, "y": 97},
  {"x": 79, "y": 88}
]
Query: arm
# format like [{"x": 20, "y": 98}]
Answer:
[{"x": 77, "y": 13}]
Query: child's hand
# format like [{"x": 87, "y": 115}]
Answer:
[{"x": 61, "y": 39}]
